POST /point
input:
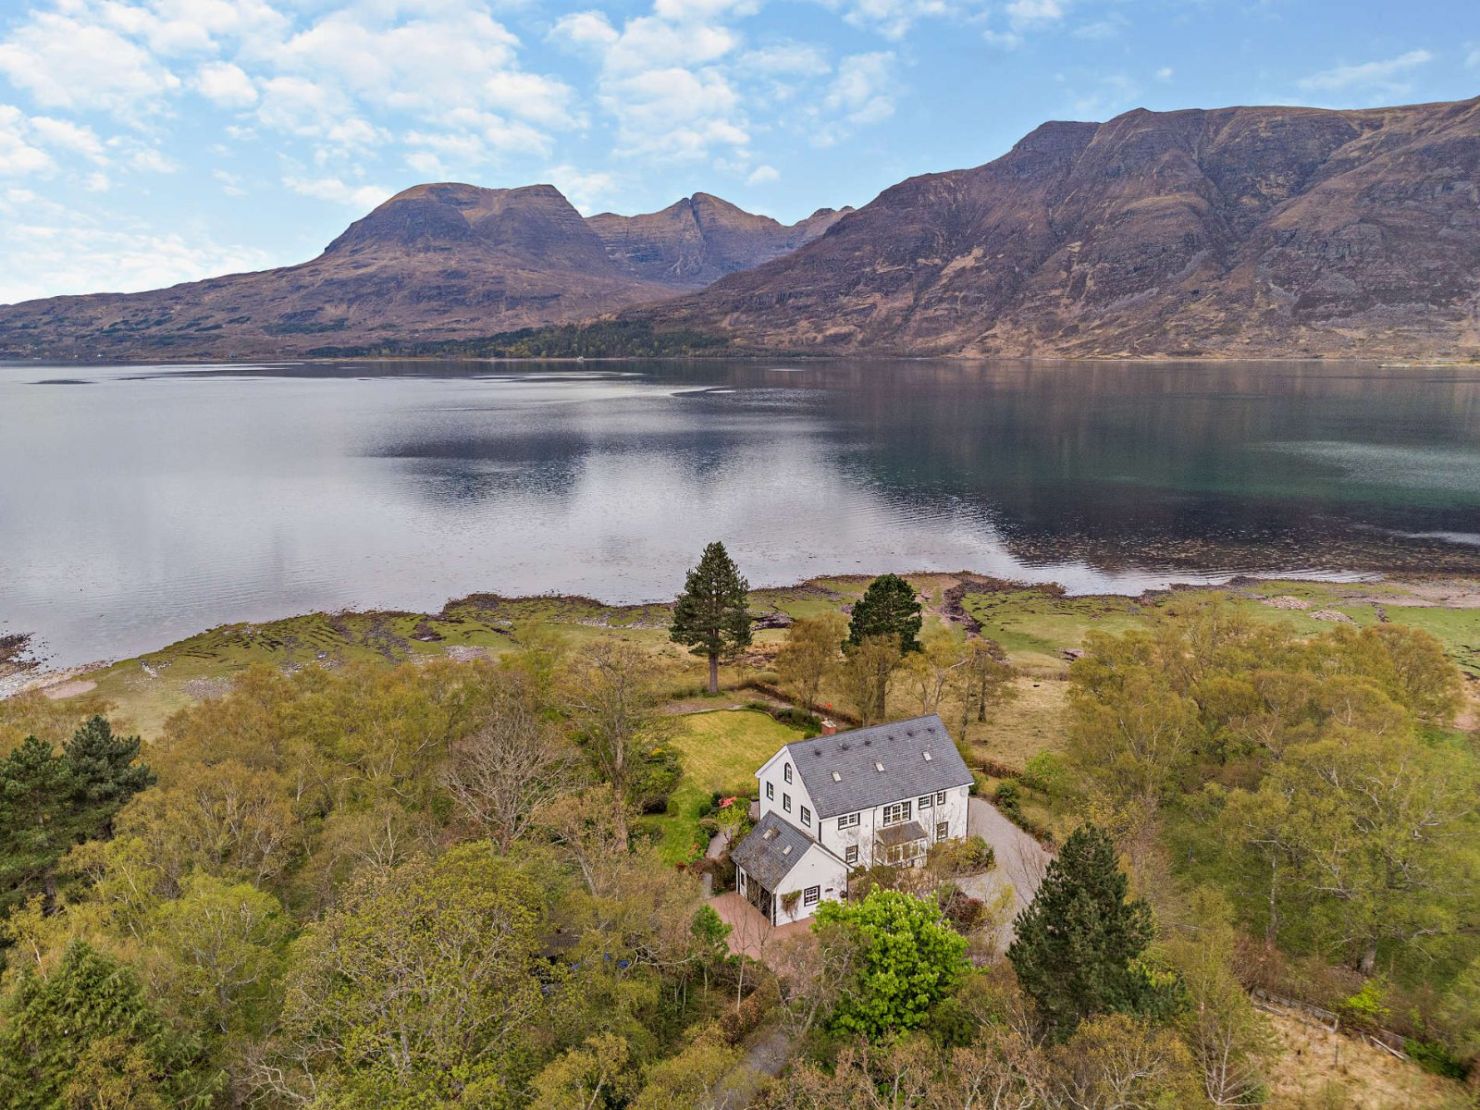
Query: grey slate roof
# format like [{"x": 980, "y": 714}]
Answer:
[
  {"x": 771, "y": 850},
  {"x": 842, "y": 772}
]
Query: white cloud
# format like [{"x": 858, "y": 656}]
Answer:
[
  {"x": 894, "y": 18},
  {"x": 1472, "y": 59},
  {"x": 52, "y": 250},
  {"x": 1031, "y": 13},
  {"x": 1165, "y": 73},
  {"x": 1379, "y": 77},
  {"x": 70, "y": 63},
  {"x": 662, "y": 81},
  {"x": 363, "y": 197},
  {"x": 67, "y": 135},
  {"x": 225, "y": 84},
  {"x": 585, "y": 190},
  {"x": 231, "y": 184},
  {"x": 97, "y": 182},
  {"x": 787, "y": 59},
  {"x": 763, "y": 175},
  {"x": 861, "y": 92},
  {"x": 19, "y": 155},
  {"x": 152, "y": 161}
]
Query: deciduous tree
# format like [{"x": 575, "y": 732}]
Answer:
[
  {"x": 515, "y": 762},
  {"x": 908, "y": 958},
  {"x": 810, "y": 655},
  {"x": 610, "y": 697},
  {"x": 866, "y": 674}
]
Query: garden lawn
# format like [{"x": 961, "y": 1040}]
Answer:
[{"x": 720, "y": 752}]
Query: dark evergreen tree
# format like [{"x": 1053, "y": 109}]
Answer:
[
  {"x": 711, "y": 615},
  {"x": 104, "y": 774},
  {"x": 1077, "y": 945},
  {"x": 34, "y": 831},
  {"x": 86, "y": 1035},
  {"x": 50, "y": 801},
  {"x": 887, "y": 608}
]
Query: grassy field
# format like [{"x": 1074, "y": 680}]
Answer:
[
  {"x": 1035, "y": 627},
  {"x": 720, "y": 751}
]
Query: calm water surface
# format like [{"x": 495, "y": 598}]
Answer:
[{"x": 141, "y": 504}]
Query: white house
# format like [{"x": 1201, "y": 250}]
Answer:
[{"x": 834, "y": 803}]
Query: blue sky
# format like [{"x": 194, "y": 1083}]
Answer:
[{"x": 144, "y": 142}]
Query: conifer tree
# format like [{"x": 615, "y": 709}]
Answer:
[
  {"x": 887, "y": 608},
  {"x": 85, "y": 1034},
  {"x": 1077, "y": 944},
  {"x": 104, "y": 774},
  {"x": 710, "y": 617}
]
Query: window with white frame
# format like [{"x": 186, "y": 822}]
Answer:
[
  {"x": 897, "y": 813},
  {"x": 786, "y": 802},
  {"x": 848, "y": 821},
  {"x": 770, "y": 791},
  {"x": 942, "y": 830},
  {"x": 904, "y": 853},
  {"x": 925, "y": 801},
  {"x": 940, "y": 797},
  {"x": 850, "y": 854},
  {"x": 806, "y": 816},
  {"x": 786, "y": 772},
  {"x": 811, "y": 895}
]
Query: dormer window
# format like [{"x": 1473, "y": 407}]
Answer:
[{"x": 786, "y": 772}]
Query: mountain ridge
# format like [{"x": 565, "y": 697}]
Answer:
[
  {"x": 1259, "y": 232},
  {"x": 1210, "y": 232},
  {"x": 436, "y": 262}
]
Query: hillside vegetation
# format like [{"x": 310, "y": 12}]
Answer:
[{"x": 455, "y": 859}]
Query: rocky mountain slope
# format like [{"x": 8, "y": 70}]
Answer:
[
  {"x": 1241, "y": 231},
  {"x": 436, "y": 262},
  {"x": 702, "y": 239}
]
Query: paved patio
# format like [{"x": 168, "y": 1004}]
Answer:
[{"x": 750, "y": 933}]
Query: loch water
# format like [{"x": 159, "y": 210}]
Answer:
[{"x": 139, "y": 504}]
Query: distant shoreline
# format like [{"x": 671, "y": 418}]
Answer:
[{"x": 1439, "y": 590}]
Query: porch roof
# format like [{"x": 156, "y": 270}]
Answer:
[{"x": 894, "y": 835}]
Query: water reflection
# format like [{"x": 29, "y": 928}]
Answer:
[{"x": 145, "y": 503}]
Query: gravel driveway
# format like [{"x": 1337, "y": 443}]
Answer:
[{"x": 1021, "y": 861}]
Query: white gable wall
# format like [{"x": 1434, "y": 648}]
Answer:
[
  {"x": 818, "y": 869},
  {"x": 773, "y": 772}
]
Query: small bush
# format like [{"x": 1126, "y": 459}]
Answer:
[
  {"x": 1009, "y": 800},
  {"x": 961, "y": 857},
  {"x": 1046, "y": 772},
  {"x": 1367, "y": 1006},
  {"x": 1434, "y": 1057}
]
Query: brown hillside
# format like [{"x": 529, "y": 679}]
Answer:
[{"x": 1241, "y": 231}]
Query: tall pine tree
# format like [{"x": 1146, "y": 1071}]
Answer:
[
  {"x": 104, "y": 774},
  {"x": 1077, "y": 944},
  {"x": 887, "y": 608},
  {"x": 711, "y": 616}
]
